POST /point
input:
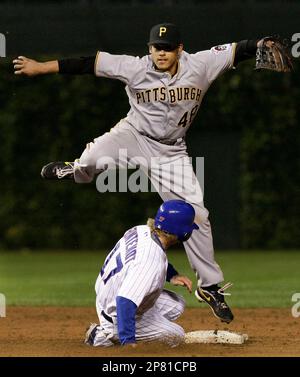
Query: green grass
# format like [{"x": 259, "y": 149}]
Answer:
[{"x": 261, "y": 278}]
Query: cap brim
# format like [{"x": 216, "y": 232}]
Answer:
[{"x": 171, "y": 45}]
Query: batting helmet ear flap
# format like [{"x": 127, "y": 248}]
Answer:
[{"x": 186, "y": 236}]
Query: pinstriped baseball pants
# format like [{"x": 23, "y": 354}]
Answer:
[{"x": 156, "y": 324}]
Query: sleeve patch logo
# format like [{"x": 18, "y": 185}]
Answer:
[{"x": 221, "y": 47}]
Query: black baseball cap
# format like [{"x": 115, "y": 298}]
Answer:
[{"x": 165, "y": 34}]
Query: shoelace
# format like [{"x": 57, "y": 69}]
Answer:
[
  {"x": 62, "y": 172},
  {"x": 221, "y": 292},
  {"x": 226, "y": 286}
]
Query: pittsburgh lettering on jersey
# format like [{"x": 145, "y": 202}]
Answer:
[
  {"x": 163, "y": 94},
  {"x": 131, "y": 239}
]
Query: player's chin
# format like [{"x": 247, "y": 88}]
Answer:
[{"x": 163, "y": 66}]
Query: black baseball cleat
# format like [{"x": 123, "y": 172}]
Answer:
[
  {"x": 214, "y": 297},
  {"x": 58, "y": 170}
]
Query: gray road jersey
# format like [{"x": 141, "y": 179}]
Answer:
[{"x": 163, "y": 106}]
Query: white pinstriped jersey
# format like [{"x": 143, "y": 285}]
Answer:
[
  {"x": 135, "y": 269},
  {"x": 163, "y": 106}
]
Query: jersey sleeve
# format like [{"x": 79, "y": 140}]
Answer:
[
  {"x": 126, "y": 311},
  {"x": 122, "y": 67},
  {"x": 171, "y": 272},
  {"x": 217, "y": 60}
]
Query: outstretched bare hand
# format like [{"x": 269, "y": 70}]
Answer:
[
  {"x": 25, "y": 66},
  {"x": 182, "y": 280},
  {"x": 30, "y": 67}
]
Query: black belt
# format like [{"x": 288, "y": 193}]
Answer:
[
  {"x": 164, "y": 141},
  {"x": 107, "y": 317}
]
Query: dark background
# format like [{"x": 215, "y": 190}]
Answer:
[
  {"x": 83, "y": 27},
  {"x": 247, "y": 128}
]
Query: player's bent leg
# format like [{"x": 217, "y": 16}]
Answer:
[
  {"x": 150, "y": 326},
  {"x": 85, "y": 167},
  {"x": 105, "y": 334},
  {"x": 114, "y": 147},
  {"x": 183, "y": 184},
  {"x": 170, "y": 305},
  {"x": 82, "y": 170},
  {"x": 200, "y": 252},
  {"x": 199, "y": 249},
  {"x": 154, "y": 327},
  {"x": 111, "y": 150}
]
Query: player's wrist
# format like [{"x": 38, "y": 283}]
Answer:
[{"x": 48, "y": 67}]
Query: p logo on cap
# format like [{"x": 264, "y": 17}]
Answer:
[
  {"x": 162, "y": 31},
  {"x": 165, "y": 34}
]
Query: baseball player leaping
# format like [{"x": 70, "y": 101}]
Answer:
[
  {"x": 131, "y": 303},
  {"x": 165, "y": 90}
]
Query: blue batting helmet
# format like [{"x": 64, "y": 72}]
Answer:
[{"x": 176, "y": 217}]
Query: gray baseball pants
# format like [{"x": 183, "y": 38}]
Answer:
[{"x": 171, "y": 174}]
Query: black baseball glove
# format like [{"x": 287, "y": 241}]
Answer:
[{"x": 273, "y": 53}]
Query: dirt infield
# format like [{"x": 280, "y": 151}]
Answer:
[{"x": 56, "y": 331}]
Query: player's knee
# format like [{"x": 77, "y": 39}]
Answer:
[
  {"x": 201, "y": 213},
  {"x": 176, "y": 305},
  {"x": 180, "y": 305},
  {"x": 180, "y": 332},
  {"x": 174, "y": 336}
]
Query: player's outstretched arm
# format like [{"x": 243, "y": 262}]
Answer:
[
  {"x": 70, "y": 66},
  {"x": 245, "y": 49},
  {"x": 30, "y": 67}
]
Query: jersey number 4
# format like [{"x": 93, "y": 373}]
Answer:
[{"x": 188, "y": 117}]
